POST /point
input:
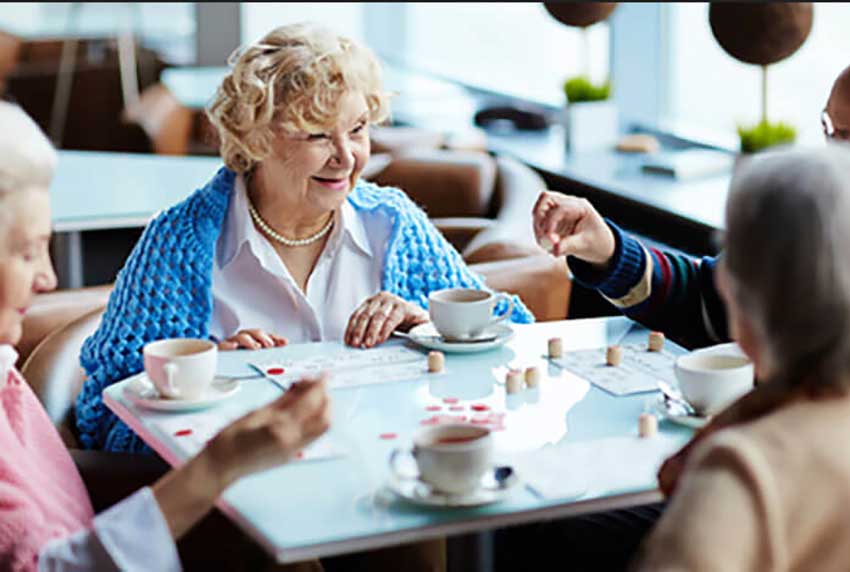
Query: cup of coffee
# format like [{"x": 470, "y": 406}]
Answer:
[
  {"x": 451, "y": 458},
  {"x": 181, "y": 368},
  {"x": 464, "y": 313},
  {"x": 710, "y": 379}
]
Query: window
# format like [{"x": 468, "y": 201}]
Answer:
[
  {"x": 710, "y": 89},
  {"x": 514, "y": 47},
  {"x": 167, "y": 28},
  {"x": 259, "y": 18}
]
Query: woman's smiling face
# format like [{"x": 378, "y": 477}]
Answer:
[
  {"x": 321, "y": 168},
  {"x": 25, "y": 267}
]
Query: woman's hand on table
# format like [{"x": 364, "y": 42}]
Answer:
[
  {"x": 273, "y": 434},
  {"x": 253, "y": 339},
  {"x": 566, "y": 225},
  {"x": 378, "y": 316},
  {"x": 262, "y": 439}
]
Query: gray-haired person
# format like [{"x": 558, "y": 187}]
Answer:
[{"x": 766, "y": 484}]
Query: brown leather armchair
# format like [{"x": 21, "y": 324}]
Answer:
[
  {"x": 53, "y": 371},
  {"x": 482, "y": 204}
]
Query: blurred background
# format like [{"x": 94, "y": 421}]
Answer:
[{"x": 662, "y": 58}]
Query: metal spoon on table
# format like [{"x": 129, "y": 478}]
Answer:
[{"x": 672, "y": 395}]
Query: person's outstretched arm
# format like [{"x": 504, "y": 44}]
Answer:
[
  {"x": 673, "y": 293},
  {"x": 139, "y": 532}
]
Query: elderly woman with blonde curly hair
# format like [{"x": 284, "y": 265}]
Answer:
[{"x": 286, "y": 242}]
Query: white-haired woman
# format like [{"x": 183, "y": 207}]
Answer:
[
  {"x": 767, "y": 484},
  {"x": 286, "y": 242},
  {"x": 46, "y": 517}
]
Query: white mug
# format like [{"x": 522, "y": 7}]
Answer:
[
  {"x": 451, "y": 458},
  {"x": 712, "y": 378},
  {"x": 181, "y": 368},
  {"x": 464, "y": 313}
]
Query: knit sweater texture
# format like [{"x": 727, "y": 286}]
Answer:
[
  {"x": 42, "y": 496},
  {"x": 164, "y": 289}
]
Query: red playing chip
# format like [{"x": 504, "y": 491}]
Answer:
[
  {"x": 479, "y": 407},
  {"x": 433, "y": 408},
  {"x": 183, "y": 433},
  {"x": 457, "y": 408},
  {"x": 450, "y": 400},
  {"x": 480, "y": 421},
  {"x": 429, "y": 421},
  {"x": 275, "y": 371},
  {"x": 387, "y": 436}
]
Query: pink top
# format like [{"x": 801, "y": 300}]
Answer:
[{"x": 41, "y": 493}]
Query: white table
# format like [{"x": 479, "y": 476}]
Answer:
[
  {"x": 326, "y": 507},
  {"x": 95, "y": 190}
]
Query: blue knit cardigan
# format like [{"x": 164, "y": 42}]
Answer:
[{"x": 165, "y": 289}]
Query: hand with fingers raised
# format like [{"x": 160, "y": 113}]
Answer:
[
  {"x": 261, "y": 439},
  {"x": 566, "y": 225},
  {"x": 378, "y": 316},
  {"x": 253, "y": 339}
]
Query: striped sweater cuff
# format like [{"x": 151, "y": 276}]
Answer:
[{"x": 627, "y": 268}]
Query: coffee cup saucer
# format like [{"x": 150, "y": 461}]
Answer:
[
  {"x": 669, "y": 411},
  {"x": 495, "y": 486},
  {"x": 142, "y": 392},
  {"x": 492, "y": 337}
]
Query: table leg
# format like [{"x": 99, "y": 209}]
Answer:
[
  {"x": 470, "y": 552},
  {"x": 68, "y": 258}
]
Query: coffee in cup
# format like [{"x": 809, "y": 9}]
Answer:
[
  {"x": 711, "y": 380},
  {"x": 451, "y": 458},
  {"x": 464, "y": 313},
  {"x": 181, "y": 368}
]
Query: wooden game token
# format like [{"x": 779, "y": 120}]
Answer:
[
  {"x": 556, "y": 347},
  {"x": 656, "y": 341},
  {"x": 436, "y": 362},
  {"x": 513, "y": 381},
  {"x": 532, "y": 376},
  {"x": 647, "y": 425},
  {"x": 614, "y": 355}
]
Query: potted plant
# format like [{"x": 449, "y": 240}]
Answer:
[
  {"x": 590, "y": 117},
  {"x": 761, "y": 34}
]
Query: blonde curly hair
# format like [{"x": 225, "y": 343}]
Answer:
[{"x": 291, "y": 79}]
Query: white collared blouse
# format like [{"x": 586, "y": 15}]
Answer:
[{"x": 252, "y": 288}]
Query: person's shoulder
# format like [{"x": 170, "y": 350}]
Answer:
[
  {"x": 368, "y": 195},
  {"x": 208, "y": 202},
  {"x": 787, "y": 438}
]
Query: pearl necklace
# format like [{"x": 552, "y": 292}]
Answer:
[{"x": 282, "y": 239}]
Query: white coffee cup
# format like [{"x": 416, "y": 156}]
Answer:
[
  {"x": 464, "y": 313},
  {"x": 181, "y": 368},
  {"x": 451, "y": 458},
  {"x": 711, "y": 379}
]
